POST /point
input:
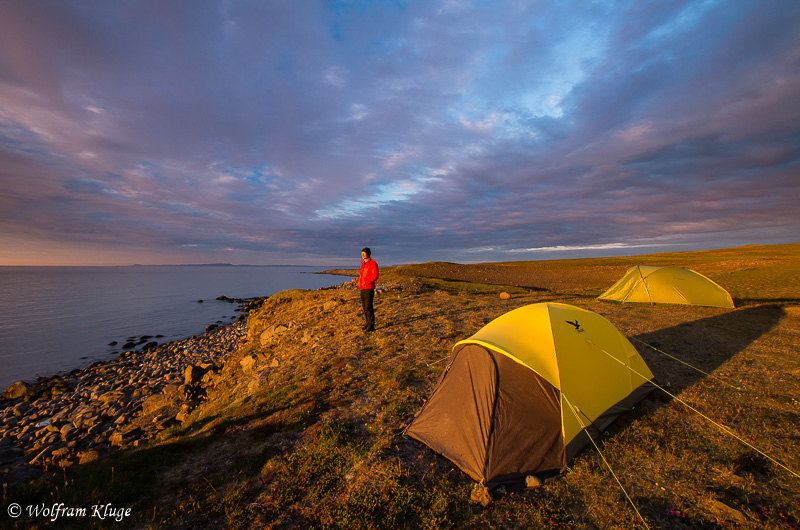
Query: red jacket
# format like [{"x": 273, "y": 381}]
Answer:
[{"x": 367, "y": 274}]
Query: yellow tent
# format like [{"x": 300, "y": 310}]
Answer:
[
  {"x": 667, "y": 285},
  {"x": 523, "y": 394}
]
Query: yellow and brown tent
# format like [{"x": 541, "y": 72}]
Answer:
[
  {"x": 523, "y": 394},
  {"x": 667, "y": 285}
]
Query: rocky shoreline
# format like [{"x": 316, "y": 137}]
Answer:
[{"x": 69, "y": 419}]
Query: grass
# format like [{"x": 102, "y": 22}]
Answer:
[{"x": 311, "y": 435}]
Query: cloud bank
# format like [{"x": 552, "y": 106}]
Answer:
[{"x": 299, "y": 132}]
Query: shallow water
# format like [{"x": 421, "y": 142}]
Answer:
[{"x": 55, "y": 319}]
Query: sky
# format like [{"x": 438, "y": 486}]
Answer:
[{"x": 298, "y": 132}]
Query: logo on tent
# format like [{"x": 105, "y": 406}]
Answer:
[{"x": 577, "y": 326}]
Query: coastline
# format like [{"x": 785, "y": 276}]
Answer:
[
  {"x": 85, "y": 314},
  {"x": 77, "y": 417},
  {"x": 65, "y": 419},
  {"x": 302, "y": 424},
  {"x": 340, "y": 272}
]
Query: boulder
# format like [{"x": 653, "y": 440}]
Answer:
[
  {"x": 480, "y": 495},
  {"x": 17, "y": 389},
  {"x": 532, "y": 482},
  {"x": 247, "y": 362},
  {"x": 193, "y": 374},
  {"x": 165, "y": 423},
  {"x": 43, "y": 454},
  {"x": 113, "y": 396},
  {"x": 274, "y": 331},
  {"x": 84, "y": 457},
  {"x": 120, "y": 438},
  {"x": 504, "y": 296},
  {"x": 155, "y": 402},
  {"x": 66, "y": 430},
  {"x": 61, "y": 452},
  {"x": 83, "y": 414},
  {"x": 21, "y": 408},
  {"x": 722, "y": 512},
  {"x": 209, "y": 379}
]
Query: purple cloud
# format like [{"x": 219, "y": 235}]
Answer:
[{"x": 295, "y": 132}]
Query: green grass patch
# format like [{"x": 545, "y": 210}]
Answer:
[
  {"x": 391, "y": 501},
  {"x": 214, "y": 500},
  {"x": 398, "y": 409},
  {"x": 319, "y": 468}
]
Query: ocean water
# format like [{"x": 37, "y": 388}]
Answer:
[{"x": 55, "y": 319}]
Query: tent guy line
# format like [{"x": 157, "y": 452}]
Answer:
[
  {"x": 724, "y": 429},
  {"x": 686, "y": 364},
  {"x": 575, "y": 411}
]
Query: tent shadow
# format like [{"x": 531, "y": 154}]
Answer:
[
  {"x": 706, "y": 344},
  {"x": 744, "y": 302}
]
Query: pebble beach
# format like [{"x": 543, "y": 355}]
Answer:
[{"x": 63, "y": 420}]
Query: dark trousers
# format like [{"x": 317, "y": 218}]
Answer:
[{"x": 367, "y": 298}]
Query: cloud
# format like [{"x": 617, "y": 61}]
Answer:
[{"x": 268, "y": 132}]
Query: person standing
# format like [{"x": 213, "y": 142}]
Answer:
[{"x": 367, "y": 276}]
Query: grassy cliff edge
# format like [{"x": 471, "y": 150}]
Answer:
[{"x": 302, "y": 424}]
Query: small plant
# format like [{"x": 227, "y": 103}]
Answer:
[{"x": 398, "y": 410}]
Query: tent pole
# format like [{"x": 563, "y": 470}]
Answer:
[
  {"x": 630, "y": 292},
  {"x": 638, "y": 268}
]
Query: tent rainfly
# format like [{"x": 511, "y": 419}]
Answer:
[
  {"x": 667, "y": 285},
  {"x": 522, "y": 395}
]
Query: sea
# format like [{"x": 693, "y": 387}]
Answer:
[{"x": 56, "y": 319}]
